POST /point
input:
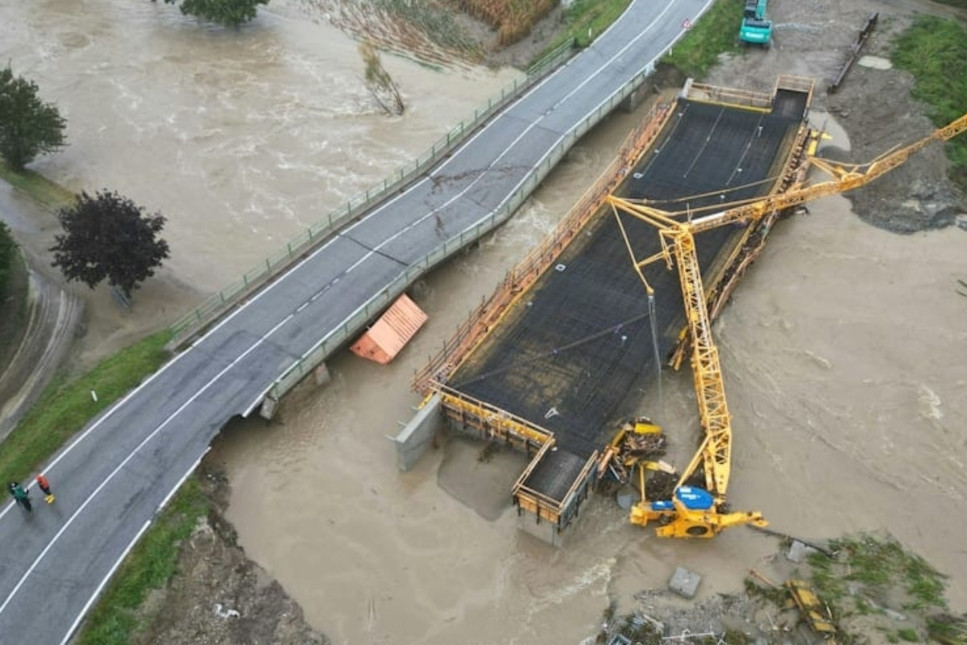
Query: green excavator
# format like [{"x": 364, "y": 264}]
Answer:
[{"x": 756, "y": 28}]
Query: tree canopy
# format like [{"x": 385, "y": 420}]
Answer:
[
  {"x": 230, "y": 13},
  {"x": 109, "y": 237},
  {"x": 28, "y": 126}
]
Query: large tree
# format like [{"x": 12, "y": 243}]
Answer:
[
  {"x": 109, "y": 236},
  {"x": 230, "y": 13},
  {"x": 28, "y": 126}
]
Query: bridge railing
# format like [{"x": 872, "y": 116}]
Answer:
[
  {"x": 372, "y": 307},
  {"x": 197, "y": 319}
]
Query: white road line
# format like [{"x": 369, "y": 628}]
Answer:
[
  {"x": 114, "y": 472},
  {"x": 111, "y": 409},
  {"x": 506, "y": 151},
  {"x": 100, "y": 587},
  {"x": 268, "y": 288}
]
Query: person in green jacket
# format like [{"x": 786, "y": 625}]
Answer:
[{"x": 20, "y": 495}]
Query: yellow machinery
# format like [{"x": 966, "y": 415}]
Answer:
[{"x": 692, "y": 511}]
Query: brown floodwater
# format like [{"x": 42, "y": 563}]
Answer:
[
  {"x": 240, "y": 138},
  {"x": 843, "y": 361},
  {"x": 843, "y": 349}
]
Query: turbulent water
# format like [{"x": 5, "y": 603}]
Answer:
[
  {"x": 843, "y": 355},
  {"x": 240, "y": 138}
]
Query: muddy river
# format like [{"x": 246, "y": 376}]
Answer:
[{"x": 843, "y": 349}]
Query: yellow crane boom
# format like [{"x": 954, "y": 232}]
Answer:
[{"x": 694, "y": 514}]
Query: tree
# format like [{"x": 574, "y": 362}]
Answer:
[
  {"x": 28, "y": 126},
  {"x": 230, "y": 13},
  {"x": 109, "y": 236},
  {"x": 379, "y": 82}
]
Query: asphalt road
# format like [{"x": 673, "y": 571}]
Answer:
[{"x": 113, "y": 478}]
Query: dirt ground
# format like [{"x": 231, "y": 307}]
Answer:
[
  {"x": 218, "y": 596},
  {"x": 873, "y": 106}
]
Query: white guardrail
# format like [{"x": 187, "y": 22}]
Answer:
[
  {"x": 186, "y": 327},
  {"x": 351, "y": 325}
]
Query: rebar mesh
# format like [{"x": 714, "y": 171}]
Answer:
[{"x": 573, "y": 347}]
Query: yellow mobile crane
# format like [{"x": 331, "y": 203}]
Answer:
[{"x": 692, "y": 511}]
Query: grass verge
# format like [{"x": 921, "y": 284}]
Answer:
[
  {"x": 66, "y": 406},
  {"x": 13, "y": 305},
  {"x": 715, "y": 33},
  {"x": 934, "y": 50},
  {"x": 584, "y": 21},
  {"x": 37, "y": 186},
  {"x": 150, "y": 564}
]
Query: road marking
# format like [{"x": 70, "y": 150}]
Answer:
[
  {"x": 130, "y": 456},
  {"x": 100, "y": 587},
  {"x": 111, "y": 409}
]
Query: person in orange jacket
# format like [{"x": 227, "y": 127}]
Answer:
[{"x": 45, "y": 486}]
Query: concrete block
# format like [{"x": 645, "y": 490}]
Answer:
[
  {"x": 684, "y": 582},
  {"x": 413, "y": 440},
  {"x": 545, "y": 531},
  {"x": 798, "y": 551},
  {"x": 323, "y": 377},
  {"x": 269, "y": 405}
]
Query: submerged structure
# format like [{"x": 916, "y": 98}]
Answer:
[{"x": 549, "y": 363}]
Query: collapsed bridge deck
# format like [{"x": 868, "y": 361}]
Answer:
[{"x": 567, "y": 351}]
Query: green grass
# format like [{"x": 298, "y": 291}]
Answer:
[
  {"x": 596, "y": 15},
  {"x": 934, "y": 50},
  {"x": 715, "y": 33},
  {"x": 149, "y": 566},
  {"x": 37, "y": 186},
  {"x": 909, "y": 635},
  {"x": 66, "y": 406},
  {"x": 879, "y": 565},
  {"x": 947, "y": 629}
]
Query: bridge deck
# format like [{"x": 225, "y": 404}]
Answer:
[{"x": 571, "y": 349}]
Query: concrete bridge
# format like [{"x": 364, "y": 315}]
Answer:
[{"x": 115, "y": 475}]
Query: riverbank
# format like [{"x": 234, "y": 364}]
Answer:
[{"x": 303, "y": 421}]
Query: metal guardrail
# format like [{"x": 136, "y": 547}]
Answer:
[
  {"x": 194, "y": 321},
  {"x": 334, "y": 339}
]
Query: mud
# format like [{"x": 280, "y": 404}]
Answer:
[
  {"x": 218, "y": 596},
  {"x": 839, "y": 348}
]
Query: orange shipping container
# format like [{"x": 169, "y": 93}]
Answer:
[{"x": 391, "y": 332}]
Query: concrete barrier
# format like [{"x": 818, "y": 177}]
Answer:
[{"x": 417, "y": 435}]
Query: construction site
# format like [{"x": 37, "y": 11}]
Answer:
[{"x": 622, "y": 289}]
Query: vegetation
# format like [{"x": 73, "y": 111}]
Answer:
[
  {"x": 513, "y": 19},
  {"x": 8, "y": 251},
  {"x": 379, "y": 82},
  {"x": 149, "y": 566},
  {"x": 880, "y": 566},
  {"x": 109, "y": 237},
  {"x": 437, "y": 21},
  {"x": 585, "y": 20},
  {"x": 13, "y": 295},
  {"x": 231, "y": 13},
  {"x": 935, "y": 52},
  {"x": 715, "y": 33},
  {"x": 28, "y": 126},
  {"x": 37, "y": 186},
  {"x": 66, "y": 406}
]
